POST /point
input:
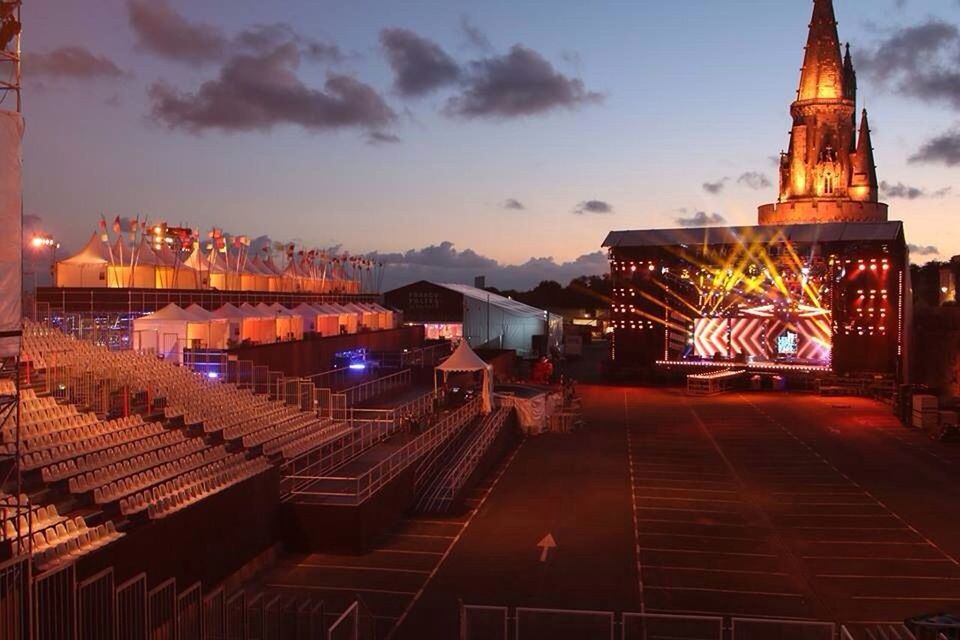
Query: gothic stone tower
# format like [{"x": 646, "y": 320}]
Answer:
[{"x": 828, "y": 174}]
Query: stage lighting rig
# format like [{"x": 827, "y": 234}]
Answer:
[{"x": 9, "y": 22}]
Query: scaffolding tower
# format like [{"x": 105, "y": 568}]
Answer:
[{"x": 16, "y": 578}]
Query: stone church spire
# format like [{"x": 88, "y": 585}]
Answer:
[
  {"x": 825, "y": 176},
  {"x": 864, "y": 186},
  {"x": 822, "y": 76}
]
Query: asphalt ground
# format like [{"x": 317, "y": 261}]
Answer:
[{"x": 759, "y": 505}]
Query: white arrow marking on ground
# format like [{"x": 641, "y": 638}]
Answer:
[{"x": 545, "y": 545}]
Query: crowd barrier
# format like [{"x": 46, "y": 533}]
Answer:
[{"x": 479, "y": 622}]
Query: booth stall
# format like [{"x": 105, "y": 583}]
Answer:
[
  {"x": 171, "y": 330},
  {"x": 464, "y": 360}
]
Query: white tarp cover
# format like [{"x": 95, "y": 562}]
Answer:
[
  {"x": 11, "y": 221},
  {"x": 464, "y": 360}
]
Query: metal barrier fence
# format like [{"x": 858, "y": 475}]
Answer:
[
  {"x": 190, "y": 614},
  {"x": 347, "y": 626},
  {"x": 428, "y": 356},
  {"x": 54, "y": 604},
  {"x": 759, "y": 629},
  {"x": 131, "y": 603},
  {"x": 14, "y": 598},
  {"x": 547, "y": 624},
  {"x": 333, "y": 379},
  {"x": 162, "y": 610},
  {"x": 496, "y": 623},
  {"x": 639, "y": 626},
  {"x": 236, "y": 616},
  {"x": 96, "y": 607},
  {"x": 356, "y": 490},
  {"x": 214, "y": 616}
]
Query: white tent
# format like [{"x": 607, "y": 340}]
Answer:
[
  {"x": 289, "y": 324},
  {"x": 270, "y": 332},
  {"x": 347, "y": 318},
  {"x": 464, "y": 360},
  {"x": 171, "y": 330},
  {"x": 88, "y": 268},
  {"x": 316, "y": 320}
]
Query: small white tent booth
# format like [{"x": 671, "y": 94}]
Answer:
[
  {"x": 86, "y": 269},
  {"x": 347, "y": 318},
  {"x": 171, "y": 330},
  {"x": 268, "y": 331},
  {"x": 289, "y": 324},
  {"x": 464, "y": 360}
]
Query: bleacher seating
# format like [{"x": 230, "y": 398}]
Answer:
[{"x": 212, "y": 435}]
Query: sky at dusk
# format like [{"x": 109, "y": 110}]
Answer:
[{"x": 460, "y": 137}]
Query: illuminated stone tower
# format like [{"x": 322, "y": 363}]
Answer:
[{"x": 828, "y": 174}]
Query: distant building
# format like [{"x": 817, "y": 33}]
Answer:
[{"x": 484, "y": 319}]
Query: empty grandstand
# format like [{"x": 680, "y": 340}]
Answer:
[{"x": 136, "y": 469}]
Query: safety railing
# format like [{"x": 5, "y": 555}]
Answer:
[
  {"x": 413, "y": 410},
  {"x": 541, "y": 624},
  {"x": 302, "y": 471},
  {"x": 356, "y": 490},
  {"x": 376, "y": 387},
  {"x": 333, "y": 379},
  {"x": 54, "y": 603},
  {"x": 162, "y": 611},
  {"x": 190, "y": 613},
  {"x": 440, "y": 496},
  {"x": 428, "y": 356}
]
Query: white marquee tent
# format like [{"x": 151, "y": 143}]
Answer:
[
  {"x": 171, "y": 330},
  {"x": 464, "y": 360}
]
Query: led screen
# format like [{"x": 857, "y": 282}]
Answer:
[{"x": 768, "y": 339}]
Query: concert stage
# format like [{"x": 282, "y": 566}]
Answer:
[{"x": 810, "y": 298}]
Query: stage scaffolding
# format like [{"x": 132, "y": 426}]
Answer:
[{"x": 16, "y": 578}]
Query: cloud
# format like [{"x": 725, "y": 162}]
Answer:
[
  {"x": 700, "y": 219},
  {"x": 258, "y": 92},
  {"x": 593, "y": 206},
  {"x": 942, "y": 149},
  {"x": 71, "y": 62},
  {"x": 907, "y": 192},
  {"x": 163, "y": 31},
  {"x": 520, "y": 83},
  {"x": 419, "y": 65},
  {"x": 918, "y": 61},
  {"x": 513, "y": 204},
  {"x": 475, "y": 37},
  {"x": 755, "y": 180},
  {"x": 921, "y": 250},
  {"x": 715, "y": 187},
  {"x": 444, "y": 263},
  {"x": 263, "y": 38},
  {"x": 377, "y": 138}
]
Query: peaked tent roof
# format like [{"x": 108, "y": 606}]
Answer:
[
  {"x": 463, "y": 359},
  {"x": 94, "y": 252},
  {"x": 172, "y": 312},
  {"x": 229, "y": 311},
  {"x": 147, "y": 256},
  {"x": 201, "y": 313},
  {"x": 197, "y": 261}
]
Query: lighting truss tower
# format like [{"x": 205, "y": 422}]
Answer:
[{"x": 11, "y": 478}]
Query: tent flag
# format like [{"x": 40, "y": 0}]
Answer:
[{"x": 11, "y": 217}]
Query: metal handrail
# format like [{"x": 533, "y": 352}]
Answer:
[{"x": 360, "y": 488}]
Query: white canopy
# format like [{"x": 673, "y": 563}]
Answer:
[
  {"x": 88, "y": 268},
  {"x": 464, "y": 360},
  {"x": 172, "y": 329}
]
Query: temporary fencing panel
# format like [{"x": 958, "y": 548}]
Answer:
[
  {"x": 14, "y": 600},
  {"x": 131, "y": 599},
  {"x": 54, "y": 604},
  {"x": 162, "y": 602},
  {"x": 237, "y": 616},
  {"x": 271, "y": 619},
  {"x": 347, "y": 626},
  {"x": 757, "y": 629},
  {"x": 189, "y": 614},
  {"x": 255, "y": 618},
  {"x": 638, "y": 626},
  {"x": 483, "y": 623},
  {"x": 547, "y": 624},
  {"x": 96, "y": 607},
  {"x": 214, "y": 616}
]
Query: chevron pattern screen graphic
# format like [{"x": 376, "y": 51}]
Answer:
[{"x": 764, "y": 339}]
